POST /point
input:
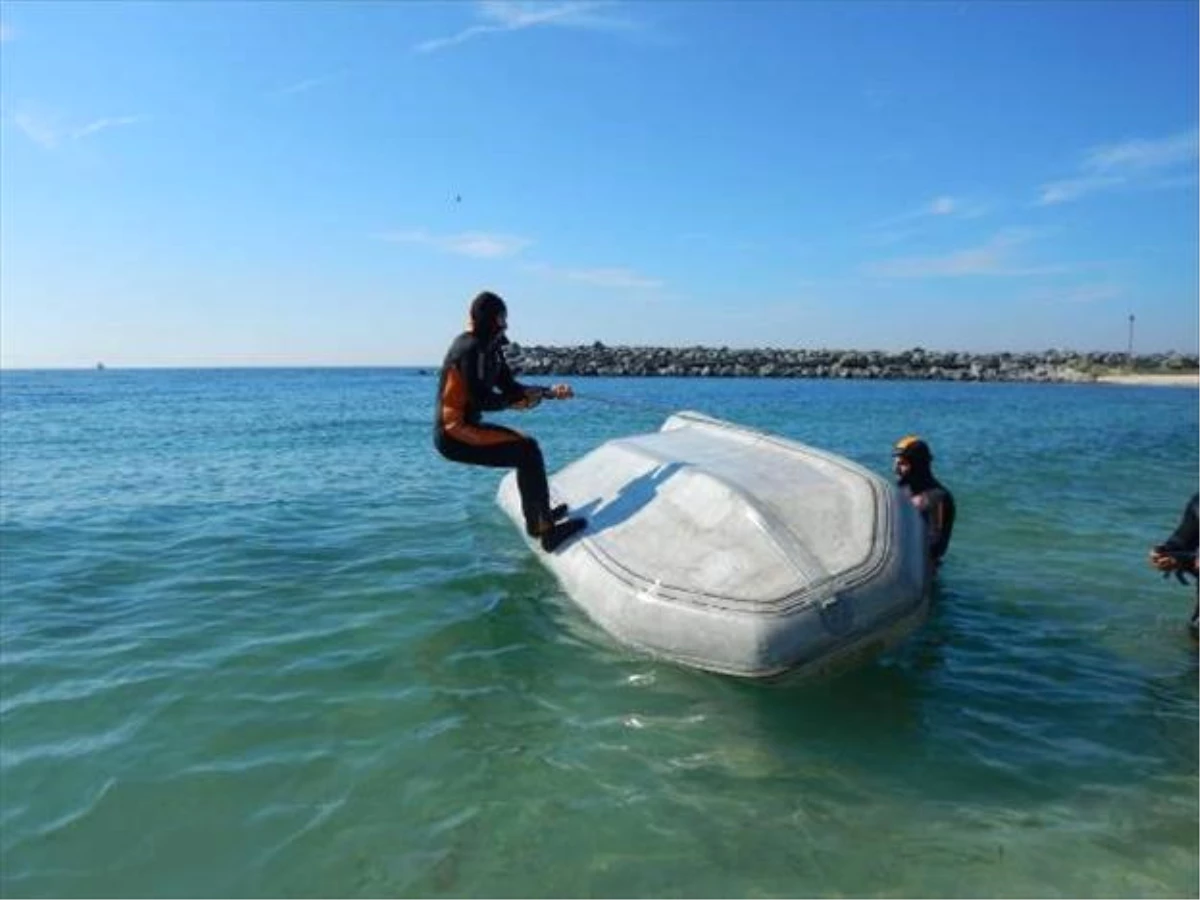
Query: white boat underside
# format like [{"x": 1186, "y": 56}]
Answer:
[{"x": 732, "y": 550}]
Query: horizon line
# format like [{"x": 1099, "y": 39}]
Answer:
[{"x": 309, "y": 366}]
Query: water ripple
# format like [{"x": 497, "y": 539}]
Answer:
[{"x": 260, "y": 641}]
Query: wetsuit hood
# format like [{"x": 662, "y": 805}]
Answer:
[
  {"x": 486, "y": 308},
  {"x": 919, "y": 457}
]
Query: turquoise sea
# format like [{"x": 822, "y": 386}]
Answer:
[{"x": 258, "y": 639}]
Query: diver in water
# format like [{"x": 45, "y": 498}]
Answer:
[
  {"x": 475, "y": 378},
  {"x": 1177, "y": 555},
  {"x": 914, "y": 473}
]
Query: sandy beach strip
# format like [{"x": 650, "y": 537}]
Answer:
[{"x": 1191, "y": 380}]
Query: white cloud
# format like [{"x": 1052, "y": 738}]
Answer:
[
  {"x": 1073, "y": 188},
  {"x": 1141, "y": 154},
  {"x": 104, "y": 124},
  {"x": 1136, "y": 163},
  {"x": 50, "y": 133},
  {"x": 994, "y": 258},
  {"x": 303, "y": 86},
  {"x": 37, "y": 129},
  {"x": 498, "y": 16},
  {"x": 475, "y": 244},
  {"x": 942, "y": 206},
  {"x": 7, "y": 33},
  {"x": 600, "y": 277},
  {"x": 1190, "y": 179}
]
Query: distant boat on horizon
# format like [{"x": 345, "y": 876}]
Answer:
[{"x": 99, "y": 367}]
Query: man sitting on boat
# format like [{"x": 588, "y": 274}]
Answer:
[{"x": 476, "y": 378}]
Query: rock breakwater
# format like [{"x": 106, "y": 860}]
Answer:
[{"x": 915, "y": 364}]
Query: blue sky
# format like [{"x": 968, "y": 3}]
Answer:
[{"x": 279, "y": 183}]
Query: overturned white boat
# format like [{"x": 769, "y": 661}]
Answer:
[{"x": 732, "y": 550}]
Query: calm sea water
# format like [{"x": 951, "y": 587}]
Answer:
[{"x": 258, "y": 639}]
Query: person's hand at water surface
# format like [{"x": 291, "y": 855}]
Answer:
[{"x": 1167, "y": 562}]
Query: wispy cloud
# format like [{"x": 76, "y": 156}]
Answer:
[
  {"x": 1139, "y": 155},
  {"x": 304, "y": 85},
  {"x": 994, "y": 258},
  {"x": 1073, "y": 188},
  {"x": 601, "y": 277},
  {"x": 499, "y": 16},
  {"x": 1083, "y": 293},
  {"x": 7, "y": 33},
  {"x": 942, "y": 206},
  {"x": 1136, "y": 163},
  {"x": 476, "y": 244},
  {"x": 37, "y": 129},
  {"x": 95, "y": 127},
  {"x": 1190, "y": 179},
  {"x": 907, "y": 225},
  {"x": 51, "y": 134}
]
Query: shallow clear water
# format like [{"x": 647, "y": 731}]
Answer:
[{"x": 259, "y": 639}]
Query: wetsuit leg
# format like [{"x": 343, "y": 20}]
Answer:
[{"x": 508, "y": 449}]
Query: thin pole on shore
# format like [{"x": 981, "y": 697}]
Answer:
[{"x": 1129, "y": 352}]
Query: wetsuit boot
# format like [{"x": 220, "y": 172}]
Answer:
[
  {"x": 550, "y": 531},
  {"x": 556, "y": 514},
  {"x": 557, "y": 534}
]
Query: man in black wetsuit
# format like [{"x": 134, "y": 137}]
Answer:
[
  {"x": 475, "y": 378},
  {"x": 914, "y": 474},
  {"x": 1178, "y": 554}
]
